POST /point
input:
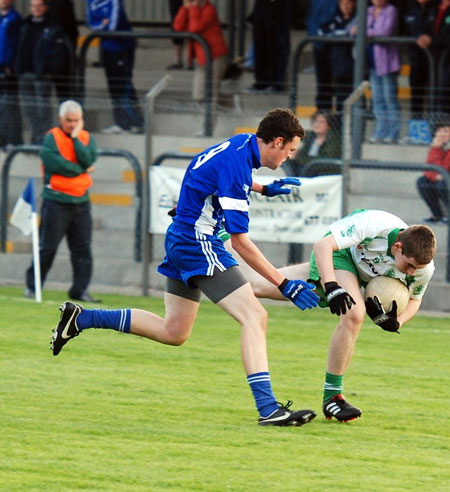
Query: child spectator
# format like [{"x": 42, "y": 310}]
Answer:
[{"x": 432, "y": 187}]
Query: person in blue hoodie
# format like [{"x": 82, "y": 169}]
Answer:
[
  {"x": 118, "y": 60},
  {"x": 10, "y": 119}
]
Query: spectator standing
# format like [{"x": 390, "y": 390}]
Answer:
[
  {"x": 42, "y": 54},
  {"x": 62, "y": 13},
  {"x": 341, "y": 55},
  {"x": 439, "y": 42},
  {"x": 432, "y": 187},
  {"x": 10, "y": 119},
  {"x": 174, "y": 6},
  {"x": 320, "y": 143},
  {"x": 118, "y": 60},
  {"x": 384, "y": 65},
  {"x": 271, "y": 44},
  {"x": 419, "y": 20},
  {"x": 320, "y": 12},
  {"x": 200, "y": 17},
  {"x": 68, "y": 154}
]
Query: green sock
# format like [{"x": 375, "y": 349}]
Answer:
[{"x": 333, "y": 385}]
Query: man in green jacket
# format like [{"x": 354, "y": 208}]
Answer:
[{"x": 68, "y": 154}]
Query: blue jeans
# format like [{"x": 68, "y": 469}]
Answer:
[
  {"x": 119, "y": 75},
  {"x": 385, "y": 105}
]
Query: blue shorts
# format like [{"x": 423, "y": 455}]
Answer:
[{"x": 190, "y": 253}]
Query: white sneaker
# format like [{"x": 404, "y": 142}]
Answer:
[
  {"x": 138, "y": 130},
  {"x": 113, "y": 129}
]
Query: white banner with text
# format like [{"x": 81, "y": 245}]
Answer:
[{"x": 303, "y": 216}]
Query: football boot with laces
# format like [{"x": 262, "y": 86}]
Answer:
[
  {"x": 283, "y": 416},
  {"x": 67, "y": 328},
  {"x": 340, "y": 409}
]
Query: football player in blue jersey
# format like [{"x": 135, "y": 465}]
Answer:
[{"x": 216, "y": 186}]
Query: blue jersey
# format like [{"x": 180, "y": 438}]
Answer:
[
  {"x": 217, "y": 185},
  {"x": 114, "y": 12}
]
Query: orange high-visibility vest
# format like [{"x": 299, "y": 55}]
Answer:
[{"x": 77, "y": 185}]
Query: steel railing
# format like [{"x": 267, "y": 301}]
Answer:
[
  {"x": 80, "y": 83},
  {"x": 298, "y": 52},
  {"x": 35, "y": 150}
]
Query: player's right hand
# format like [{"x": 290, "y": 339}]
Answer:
[
  {"x": 386, "y": 320},
  {"x": 300, "y": 293},
  {"x": 338, "y": 298}
]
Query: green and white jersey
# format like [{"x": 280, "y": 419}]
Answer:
[{"x": 369, "y": 236}]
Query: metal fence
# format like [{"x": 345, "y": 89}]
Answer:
[
  {"x": 35, "y": 150},
  {"x": 80, "y": 91}
]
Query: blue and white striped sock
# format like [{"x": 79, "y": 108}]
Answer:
[
  {"x": 118, "y": 319},
  {"x": 262, "y": 393}
]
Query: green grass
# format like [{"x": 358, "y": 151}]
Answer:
[{"x": 114, "y": 412}]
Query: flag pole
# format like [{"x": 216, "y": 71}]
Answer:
[{"x": 36, "y": 260}]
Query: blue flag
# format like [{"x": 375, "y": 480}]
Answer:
[{"x": 24, "y": 208}]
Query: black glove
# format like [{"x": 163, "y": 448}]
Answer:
[
  {"x": 386, "y": 320},
  {"x": 173, "y": 211},
  {"x": 338, "y": 298}
]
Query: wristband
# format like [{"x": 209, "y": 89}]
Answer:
[{"x": 283, "y": 285}]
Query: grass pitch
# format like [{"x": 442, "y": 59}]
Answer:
[{"x": 114, "y": 412}]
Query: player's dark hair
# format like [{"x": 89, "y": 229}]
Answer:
[
  {"x": 418, "y": 242},
  {"x": 280, "y": 122}
]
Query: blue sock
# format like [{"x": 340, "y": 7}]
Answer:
[
  {"x": 262, "y": 393},
  {"x": 118, "y": 319}
]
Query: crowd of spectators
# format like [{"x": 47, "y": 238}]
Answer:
[{"x": 37, "y": 58}]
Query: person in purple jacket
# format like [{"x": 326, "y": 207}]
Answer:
[{"x": 383, "y": 66}]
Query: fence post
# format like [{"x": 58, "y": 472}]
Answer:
[
  {"x": 347, "y": 141},
  {"x": 149, "y": 116}
]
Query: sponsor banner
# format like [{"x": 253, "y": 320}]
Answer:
[{"x": 303, "y": 216}]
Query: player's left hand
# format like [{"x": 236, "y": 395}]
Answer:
[
  {"x": 276, "y": 188},
  {"x": 300, "y": 293},
  {"x": 386, "y": 320}
]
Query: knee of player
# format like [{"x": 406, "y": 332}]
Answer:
[
  {"x": 176, "y": 339},
  {"x": 262, "y": 317},
  {"x": 354, "y": 317},
  {"x": 175, "y": 336},
  {"x": 255, "y": 316}
]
